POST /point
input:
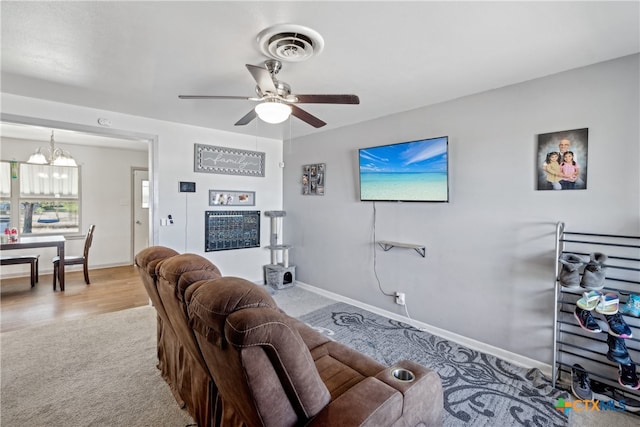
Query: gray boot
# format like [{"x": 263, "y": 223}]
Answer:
[
  {"x": 594, "y": 272},
  {"x": 570, "y": 274}
]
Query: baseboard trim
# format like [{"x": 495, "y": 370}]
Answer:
[{"x": 514, "y": 358}]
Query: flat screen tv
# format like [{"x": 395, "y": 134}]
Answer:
[{"x": 413, "y": 171}]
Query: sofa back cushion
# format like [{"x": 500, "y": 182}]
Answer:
[
  {"x": 146, "y": 261},
  {"x": 187, "y": 269},
  {"x": 232, "y": 294},
  {"x": 175, "y": 276},
  {"x": 258, "y": 360}
]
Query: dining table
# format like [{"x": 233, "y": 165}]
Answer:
[{"x": 28, "y": 242}]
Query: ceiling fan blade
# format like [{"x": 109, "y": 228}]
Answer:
[
  {"x": 306, "y": 117},
  {"x": 262, "y": 76},
  {"x": 327, "y": 99},
  {"x": 245, "y": 98},
  {"x": 247, "y": 118}
]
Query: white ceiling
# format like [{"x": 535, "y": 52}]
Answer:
[{"x": 136, "y": 57}]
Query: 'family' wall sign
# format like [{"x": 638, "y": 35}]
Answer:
[{"x": 230, "y": 161}]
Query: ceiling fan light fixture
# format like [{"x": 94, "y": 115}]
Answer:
[{"x": 273, "y": 112}]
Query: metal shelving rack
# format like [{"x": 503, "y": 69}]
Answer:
[{"x": 571, "y": 343}]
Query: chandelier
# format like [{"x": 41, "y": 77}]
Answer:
[{"x": 52, "y": 156}]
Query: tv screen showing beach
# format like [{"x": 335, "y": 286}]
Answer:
[{"x": 415, "y": 171}]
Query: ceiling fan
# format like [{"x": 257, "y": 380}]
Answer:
[{"x": 276, "y": 100}]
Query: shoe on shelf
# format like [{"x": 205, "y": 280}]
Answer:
[
  {"x": 580, "y": 384},
  {"x": 569, "y": 276},
  {"x": 617, "y": 326},
  {"x": 628, "y": 377},
  {"x": 586, "y": 320},
  {"x": 632, "y": 307},
  {"x": 589, "y": 300},
  {"x": 618, "y": 350},
  {"x": 594, "y": 272},
  {"x": 605, "y": 393},
  {"x": 608, "y": 304}
]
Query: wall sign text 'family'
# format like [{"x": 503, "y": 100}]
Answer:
[{"x": 230, "y": 161}]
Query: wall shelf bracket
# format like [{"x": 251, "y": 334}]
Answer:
[{"x": 387, "y": 245}]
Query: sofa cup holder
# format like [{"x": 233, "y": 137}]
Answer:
[{"x": 402, "y": 374}]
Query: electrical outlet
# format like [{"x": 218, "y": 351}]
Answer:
[{"x": 400, "y": 298}]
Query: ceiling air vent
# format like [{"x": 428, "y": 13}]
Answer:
[{"x": 290, "y": 42}]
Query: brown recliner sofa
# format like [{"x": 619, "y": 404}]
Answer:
[
  {"x": 268, "y": 369},
  {"x": 165, "y": 274},
  {"x": 275, "y": 371}
]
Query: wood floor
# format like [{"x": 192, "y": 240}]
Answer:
[{"x": 111, "y": 289}]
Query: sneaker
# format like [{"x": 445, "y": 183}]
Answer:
[
  {"x": 618, "y": 327},
  {"x": 632, "y": 307},
  {"x": 586, "y": 320},
  {"x": 618, "y": 350},
  {"x": 605, "y": 393},
  {"x": 628, "y": 377},
  {"x": 580, "y": 384}
]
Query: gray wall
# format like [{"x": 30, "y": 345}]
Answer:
[{"x": 488, "y": 273}]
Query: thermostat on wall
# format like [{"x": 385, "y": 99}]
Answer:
[{"x": 187, "y": 187}]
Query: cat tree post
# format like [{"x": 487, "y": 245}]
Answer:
[{"x": 278, "y": 274}]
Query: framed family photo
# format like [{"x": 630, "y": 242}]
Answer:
[
  {"x": 313, "y": 179},
  {"x": 562, "y": 160}
]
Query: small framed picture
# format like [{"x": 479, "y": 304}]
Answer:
[
  {"x": 313, "y": 177},
  {"x": 232, "y": 198}
]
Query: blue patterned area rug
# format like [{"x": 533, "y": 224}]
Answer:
[{"x": 479, "y": 389}]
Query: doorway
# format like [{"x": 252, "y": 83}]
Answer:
[
  {"x": 140, "y": 207},
  {"x": 24, "y": 127}
]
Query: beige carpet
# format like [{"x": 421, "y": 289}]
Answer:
[{"x": 98, "y": 371}]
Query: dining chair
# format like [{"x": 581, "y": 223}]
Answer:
[{"x": 76, "y": 260}]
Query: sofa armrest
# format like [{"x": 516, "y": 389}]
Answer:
[
  {"x": 423, "y": 395},
  {"x": 369, "y": 403}
]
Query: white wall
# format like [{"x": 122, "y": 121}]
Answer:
[
  {"x": 488, "y": 273},
  {"x": 173, "y": 162},
  {"x": 106, "y": 201}
]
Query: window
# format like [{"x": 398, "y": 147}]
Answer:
[
  {"x": 48, "y": 198},
  {"x": 145, "y": 194},
  {"x": 5, "y": 196}
]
